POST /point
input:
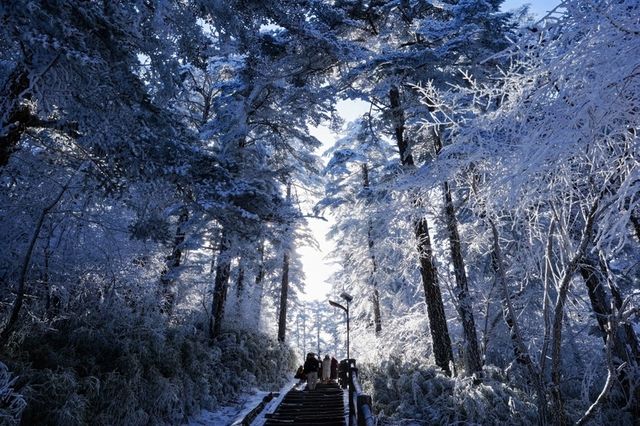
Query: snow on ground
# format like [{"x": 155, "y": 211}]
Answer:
[
  {"x": 230, "y": 414},
  {"x": 273, "y": 404}
]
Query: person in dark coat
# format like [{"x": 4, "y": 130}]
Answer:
[
  {"x": 334, "y": 368},
  {"x": 300, "y": 374},
  {"x": 311, "y": 368}
]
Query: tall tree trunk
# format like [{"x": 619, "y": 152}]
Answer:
[
  {"x": 623, "y": 348},
  {"x": 375, "y": 295},
  {"x": 472, "y": 360},
  {"x": 240, "y": 311},
  {"x": 173, "y": 261},
  {"x": 549, "y": 270},
  {"x": 284, "y": 293},
  {"x": 441, "y": 340},
  {"x": 259, "y": 286},
  {"x": 284, "y": 284},
  {"x": 498, "y": 269},
  {"x": 596, "y": 290},
  {"x": 556, "y": 331},
  {"x": 512, "y": 322},
  {"x": 635, "y": 221},
  {"x": 240, "y": 279},
  {"x": 221, "y": 285}
]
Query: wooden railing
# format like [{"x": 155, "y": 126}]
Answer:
[{"x": 360, "y": 407}]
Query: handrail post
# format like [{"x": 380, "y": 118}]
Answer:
[
  {"x": 360, "y": 404},
  {"x": 363, "y": 401},
  {"x": 353, "y": 408}
]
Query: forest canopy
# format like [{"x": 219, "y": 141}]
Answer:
[{"x": 158, "y": 163}]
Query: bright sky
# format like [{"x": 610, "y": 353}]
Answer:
[
  {"x": 538, "y": 7},
  {"x": 316, "y": 263}
]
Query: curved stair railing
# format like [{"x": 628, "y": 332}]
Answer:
[{"x": 360, "y": 405}]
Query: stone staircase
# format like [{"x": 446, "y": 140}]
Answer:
[{"x": 322, "y": 406}]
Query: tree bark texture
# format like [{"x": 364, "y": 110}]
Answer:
[
  {"x": 240, "y": 279},
  {"x": 375, "y": 295},
  {"x": 259, "y": 288},
  {"x": 221, "y": 286},
  {"x": 173, "y": 261},
  {"x": 284, "y": 284},
  {"x": 556, "y": 331},
  {"x": 472, "y": 359},
  {"x": 635, "y": 221},
  {"x": 440, "y": 337},
  {"x": 511, "y": 319},
  {"x": 623, "y": 349},
  {"x": 284, "y": 294}
]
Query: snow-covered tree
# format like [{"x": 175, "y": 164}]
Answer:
[{"x": 549, "y": 152}]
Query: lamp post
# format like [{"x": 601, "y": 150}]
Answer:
[{"x": 348, "y": 298}]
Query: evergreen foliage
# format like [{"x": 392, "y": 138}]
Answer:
[
  {"x": 118, "y": 367},
  {"x": 158, "y": 171}
]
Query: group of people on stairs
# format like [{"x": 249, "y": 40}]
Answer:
[{"x": 327, "y": 368}]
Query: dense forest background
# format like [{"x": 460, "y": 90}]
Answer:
[{"x": 156, "y": 165}]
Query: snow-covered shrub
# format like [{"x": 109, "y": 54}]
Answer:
[
  {"x": 410, "y": 390},
  {"x": 116, "y": 366},
  {"x": 12, "y": 404}
]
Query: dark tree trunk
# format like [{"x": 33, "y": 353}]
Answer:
[
  {"x": 223, "y": 268},
  {"x": 442, "y": 349},
  {"x": 472, "y": 360},
  {"x": 375, "y": 295},
  {"x": 635, "y": 221},
  {"x": 284, "y": 294},
  {"x": 441, "y": 340},
  {"x": 167, "y": 280},
  {"x": 258, "y": 282},
  {"x": 240, "y": 290},
  {"x": 558, "y": 316},
  {"x": 398, "y": 127},
  {"x": 624, "y": 347},
  {"x": 509, "y": 314},
  {"x": 240, "y": 279},
  {"x": 599, "y": 300},
  {"x": 506, "y": 315},
  {"x": 284, "y": 284}
]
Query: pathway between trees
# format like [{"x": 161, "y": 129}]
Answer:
[{"x": 322, "y": 406}]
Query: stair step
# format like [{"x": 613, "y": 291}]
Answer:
[{"x": 320, "y": 407}]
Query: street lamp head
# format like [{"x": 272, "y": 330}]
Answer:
[
  {"x": 346, "y": 296},
  {"x": 337, "y": 305}
]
